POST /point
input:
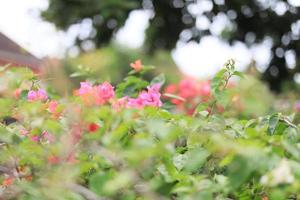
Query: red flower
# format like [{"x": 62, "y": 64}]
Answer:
[
  {"x": 17, "y": 93},
  {"x": 53, "y": 160},
  {"x": 171, "y": 89},
  {"x": 188, "y": 88},
  {"x": 93, "y": 127}
]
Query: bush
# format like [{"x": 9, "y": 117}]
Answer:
[{"x": 123, "y": 142}]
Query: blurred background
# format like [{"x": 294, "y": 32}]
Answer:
[{"x": 192, "y": 38}]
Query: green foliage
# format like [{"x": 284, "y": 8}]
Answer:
[
  {"x": 112, "y": 63},
  {"x": 147, "y": 153}
]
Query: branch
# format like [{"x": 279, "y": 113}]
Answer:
[{"x": 86, "y": 193}]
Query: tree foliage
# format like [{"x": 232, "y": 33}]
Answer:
[{"x": 252, "y": 21}]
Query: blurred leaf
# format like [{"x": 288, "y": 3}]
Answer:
[{"x": 160, "y": 79}]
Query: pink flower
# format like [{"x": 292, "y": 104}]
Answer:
[
  {"x": 37, "y": 95},
  {"x": 34, "y": 138},
  {"x": 95, "y": 94},
  {"x": 151, "y": 97},
  {"x": 105, "y": 91},
  {"x": 24, "y": 132},
  {"x": 53, "y": 106},
  {"x": 86, "y": 92},
  {"x": 48, "y": 137},
  {"x": 85, "y": 88},
  {"x": 120, "y": 104},
  {"x": 297, "y": 106},
  {"x": 32, "y": 95},
  {"x": 147, "y": 98},
  {"x": 204, "y": 89},
  {"x": 72, "y": 158},
  {"x": 188, "y": 88},
  {"x": 135, "y": 103},
  {"x": 42, "y": 95}
]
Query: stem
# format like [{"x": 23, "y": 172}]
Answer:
[{"x": 214, "y": 103}]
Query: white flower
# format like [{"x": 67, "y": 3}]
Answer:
[{"x": 282, "y": 174}]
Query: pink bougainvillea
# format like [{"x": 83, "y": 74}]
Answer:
[
  {"x": 95, "y": 95},
  {"x": 37, "y": 95},
  {"x": 103, "y": 93},
  {"x": 34, "y": 138},
  {"x": 52, "y": 107},
  {"x": 48, "y": 137},
  {"x": 119, "y": 104},
  {"x": 151, "y": 97}
]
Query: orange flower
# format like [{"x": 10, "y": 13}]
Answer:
[
  {"x": 17, "y": 93},
  {"x": 7, "y": 181},
  {"x": 137, "y": 65}
]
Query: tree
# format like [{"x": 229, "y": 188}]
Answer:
[{"x": 251, "y": 21}]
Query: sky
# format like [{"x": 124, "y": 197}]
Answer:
[{"x": 19, "y": 20}]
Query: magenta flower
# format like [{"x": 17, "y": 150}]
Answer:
[
  {"x": 37, "y": 95},
  {"x": 42, "y": 95},
  {"x": 85, "y": 88},
  {"x": 98, "y": 95},
  {"x": 34, "y": 138},
  {"x": 103, "y": 93},
  {"x": 32, "y": 95},
  {"x": 48, "y": 137},
  {"x": 151, "y": 97},
  {"x": 106, "y": 91},
  {"x": 135, "y": 103}
]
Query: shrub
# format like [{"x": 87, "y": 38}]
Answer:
[{"x": 122, "y": 142}]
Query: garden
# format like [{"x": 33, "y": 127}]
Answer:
[
  {"x": 150, "y": 100},
  {"x": 144, "y": 139}
]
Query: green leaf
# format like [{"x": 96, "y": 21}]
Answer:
[
  {"x": 273, "y": 121},
  {"x": 98, "y": 181},
  {"x": 239, "y": 171},
  {"x": 239, "y": 74},
  {"x": 202, "y": 109},
  {"x": 160, "y": 79},
  {"x": 196, "y": 159}
]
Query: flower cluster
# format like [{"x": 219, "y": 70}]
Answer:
[
  {"x": 37, "y": 95},
  {"x": 191, "y": 93},
  {"x": 99, "y": 95},
  {"x": 151, "y": 97},
  {"x": 45, "y": 136},
  {"x": 95, "y": 95}
]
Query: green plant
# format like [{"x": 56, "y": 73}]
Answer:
[{"x": 96, "y": 145}]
